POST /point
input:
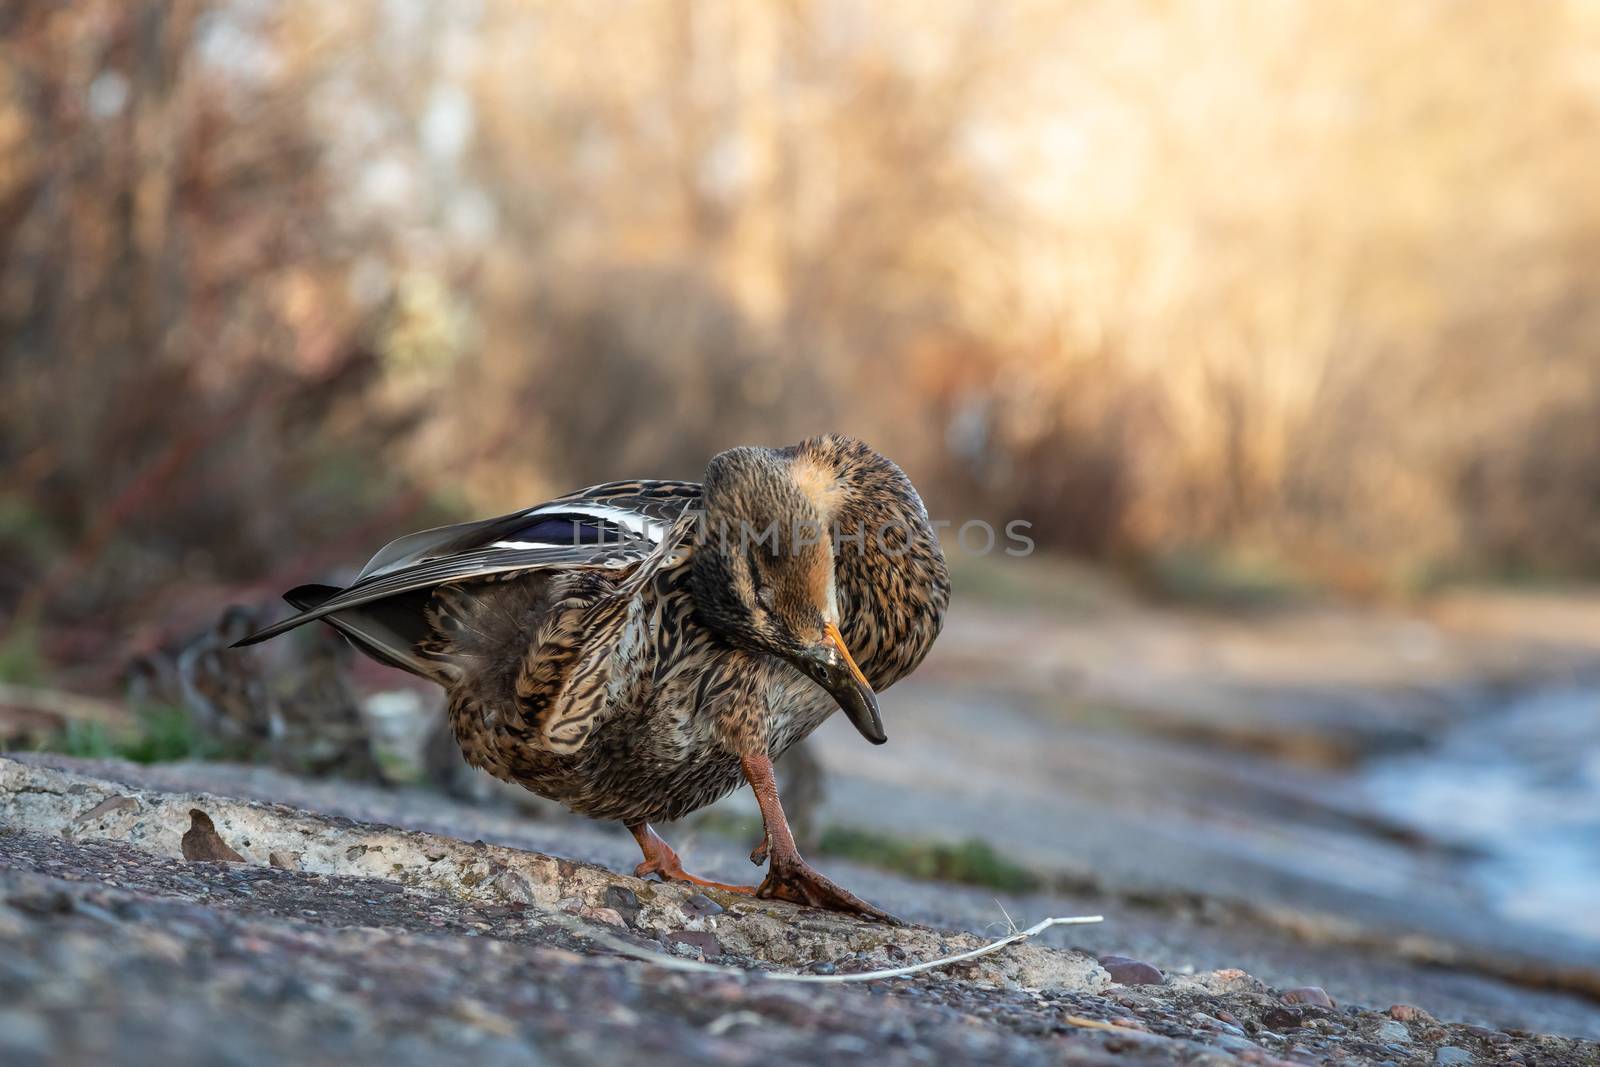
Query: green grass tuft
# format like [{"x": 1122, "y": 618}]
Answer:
[{"x": 162, "y": 735}]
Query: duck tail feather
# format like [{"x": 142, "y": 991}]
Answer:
[{"x": 306, "y": 597}]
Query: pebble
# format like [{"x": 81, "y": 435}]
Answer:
[
  {"x": 701, "y": 905},
  {"x": 1230, "y": 980},
  {"x": 624, "y": 901},
  {"x": 609, "y": 916},
  {"x": 1494, "y": 1037},
  {"x": 1126, "y": 971},
  {"x": 1308, "y": 994},
  {"x": 1281, "y": 1018},
  {"x": 516, "y": 886},
  {"x": 1446, "y": 1055},
  {"x": 1391, "y": 1031},
  {"x": 284, "y": 861},
  {"x": 698, "y": 941},
  {"x": 1409, "y": 1013}
]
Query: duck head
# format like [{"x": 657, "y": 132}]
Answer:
[{"x": 763, "y": 577}]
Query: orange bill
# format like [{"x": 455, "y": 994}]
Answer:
[{"x": 838, "y": 642}]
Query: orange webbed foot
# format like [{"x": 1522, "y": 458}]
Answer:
[
  {"x": 662, "y": 861},
  {"x": 797, "y": 882}
]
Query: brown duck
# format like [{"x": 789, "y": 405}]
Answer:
[{"x": 634, "y": 649}]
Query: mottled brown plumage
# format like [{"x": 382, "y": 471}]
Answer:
[{"x": 635, "y": 649}]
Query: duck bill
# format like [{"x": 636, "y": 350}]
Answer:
[{"x": 831, "y": 666}]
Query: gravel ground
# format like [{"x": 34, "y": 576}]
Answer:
[
  {"x": 408, "y": 946},
  {"x": 1180, "y": 930}
]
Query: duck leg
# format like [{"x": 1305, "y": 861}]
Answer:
[
  {"x": 788, "y": 876},
  {"x": 659, "y": 858}
]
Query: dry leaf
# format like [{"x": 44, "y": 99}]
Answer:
[{"x": 202, "y": 842}]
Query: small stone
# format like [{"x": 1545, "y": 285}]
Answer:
[
  {"x": 1282, "y": 1018},
  {"x": 284, "y": 861},
  {"x": 1216, "y": 983},
  {"x": 515, "y": 886},
  {"x": 624, "y": 901},
  {"x": 1409, "y": 1013},
  {"x": 701, "y": 905},
  {"x": 609, "y": 916},
  {"x": 1390, "y": 1031},
  {"x": 698, "y": 941},
  {"x": 1127, "y": 971},
  {"x": 1316, "y": 996},
  {"x": 1446, "y": 1055},
  {"x": 1493, "y": 1037}
]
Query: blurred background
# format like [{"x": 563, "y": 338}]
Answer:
[{"x": 1281, "y": 324}]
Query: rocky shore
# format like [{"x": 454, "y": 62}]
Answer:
[{"x": 337, "y": 938}]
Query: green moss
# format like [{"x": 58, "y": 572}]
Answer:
[{"x": 969, "y": 862}]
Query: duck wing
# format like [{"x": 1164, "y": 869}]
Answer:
[
  {"x": 585, "y": 657},
  {"x": 612, "y": 527}
]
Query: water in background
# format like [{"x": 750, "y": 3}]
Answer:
[{"x": 1520, "y": 786}]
